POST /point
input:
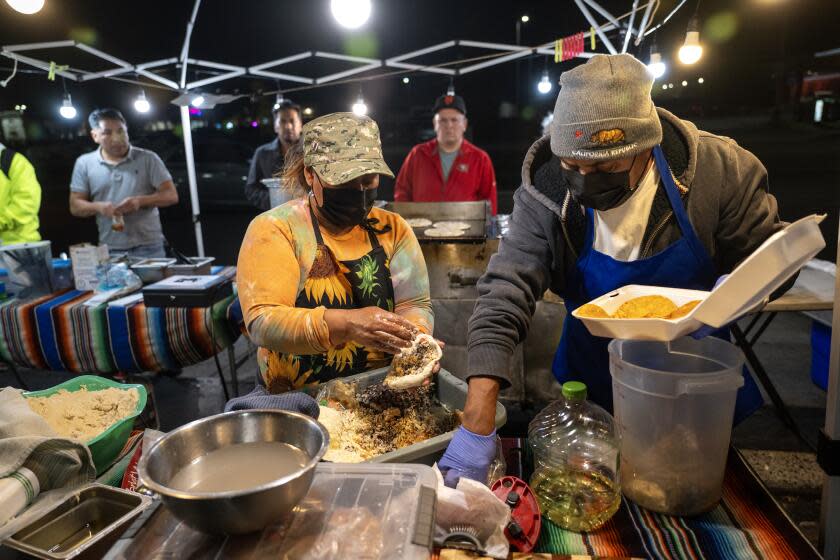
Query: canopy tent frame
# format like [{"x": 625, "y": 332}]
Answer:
[{"x": 830, "y": 510}]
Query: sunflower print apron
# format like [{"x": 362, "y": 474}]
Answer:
[{"x": 335, "y": 284}]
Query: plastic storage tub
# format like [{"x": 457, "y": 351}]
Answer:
[
  {"x": 106, "y": 446},
  {"x": 674, "y": 404},
  {"x": 758, "y": 276},
  {"x": 451, "y": 391}
]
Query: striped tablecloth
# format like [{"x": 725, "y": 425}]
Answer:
[
  {"x": 59, "y": 333},
  {"x": 746, "y": 524}
]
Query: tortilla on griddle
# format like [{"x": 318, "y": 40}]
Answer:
[
  {"x": 452, "y": 225},
  {"x": 439, "y": 232},
  {"x": 418, "y": 222}
]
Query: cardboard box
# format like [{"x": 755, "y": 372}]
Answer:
[{"x": 86, "y": 258}]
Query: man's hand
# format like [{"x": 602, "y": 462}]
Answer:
[
  {"x": 370, "y": 326},
  {"x": 128, "y": 205},
  {"x": 468, "y": 455},
  {"x": 105, "y": 209}
]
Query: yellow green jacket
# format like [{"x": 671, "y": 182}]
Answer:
[{"x": 20, "y": 200}]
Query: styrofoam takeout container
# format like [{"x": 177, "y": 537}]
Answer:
[{"x": 752, "y": 281}]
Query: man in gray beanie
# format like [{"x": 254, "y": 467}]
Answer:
[{"x": 619, "y": 192}]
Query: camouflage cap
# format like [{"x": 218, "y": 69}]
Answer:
[{"x": 343, "y": 146}]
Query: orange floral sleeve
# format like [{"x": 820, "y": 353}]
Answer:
[{"x": 268, "y": 276}]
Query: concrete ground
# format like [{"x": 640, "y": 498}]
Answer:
[{"x": 787, "y": 467}]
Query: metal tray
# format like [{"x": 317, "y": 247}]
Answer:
[
  {"x": 475, "y": 214},
  {"x": 152, "y": 270},
  {"x": 450, "y": 391},
  {"x": 86, "y": 523},
  {"x": 199, "y": 266}
]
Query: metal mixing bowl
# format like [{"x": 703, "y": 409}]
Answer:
[{"x": 241, "y": 511}]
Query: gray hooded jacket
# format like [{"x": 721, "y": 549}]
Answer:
[{"x": 724, "y": 190}]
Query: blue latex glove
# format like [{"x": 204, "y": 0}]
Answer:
[
  {"x": 706, "y": 330},
  {"x": 260, "y": 398},
  {"x": 468, "y": 455}
]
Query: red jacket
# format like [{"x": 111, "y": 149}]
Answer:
[{"x": 471, "y": 177}]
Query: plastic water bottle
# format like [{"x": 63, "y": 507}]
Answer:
[{"x": 574, "y": 444}]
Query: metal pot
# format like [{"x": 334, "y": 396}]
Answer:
[{"x": 241, "y": 511}]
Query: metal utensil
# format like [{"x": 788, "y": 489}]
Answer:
[{"x": 241, "y": 511}]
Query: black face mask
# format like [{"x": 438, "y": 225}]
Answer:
[
  {"x": 600, "y": 190},
  {"x": 346, "y": 208}
]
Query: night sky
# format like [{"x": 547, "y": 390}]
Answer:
[{"x": 744, "y": 41}]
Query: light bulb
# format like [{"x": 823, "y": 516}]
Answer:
[
  {"x": 525, "y": 18},
  {"x": 450, "y": 90},
  {"x": 350, "y": 13},
  {"x": 307, "y": 111},
  {"x": 359, "y": 107},
  {"x": 141, "y": 104},
  {"x": 700, "y": 80},
  {"x": 26, "y": 6},
  {"x": 544, "y": 86},
  {"x": 656, "y": 67},
  {"x": 67, "y": 110},
  {"x": 197, "y": 101},
  {"x": 691, "y": 51},
  {"x": 406, "y": 80},
  {"x": 684, "y": 83},
  {"x": 278, "y": 101}
]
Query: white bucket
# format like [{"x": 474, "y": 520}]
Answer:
[
  {"x": 674, "y": 403},
  {"x": 277, "y": 194}
]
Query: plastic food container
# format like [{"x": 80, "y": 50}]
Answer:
[
  {"x": 106, "y": 446},
  {"x": 758, "y": 276},
  {"x": 85, "y": 523},
  {"x": 451, "y": 391},
  {"x": 350, "y": 511},
  {"x": 674, "y": 403},
  {"x": 365, "y": 511}
]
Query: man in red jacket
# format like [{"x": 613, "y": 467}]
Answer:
[{"x": 448, "y": 168}]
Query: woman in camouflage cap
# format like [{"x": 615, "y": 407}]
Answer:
[{"x": 331, "y": 286}]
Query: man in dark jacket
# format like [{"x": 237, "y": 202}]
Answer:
[
  {"x": 619, "y": 192},
  {"x": 268, "y": 159}
]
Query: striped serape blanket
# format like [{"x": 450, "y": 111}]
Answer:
[
  {"x": 746, "y": 524},
  {"x": 57, "y": 332}
]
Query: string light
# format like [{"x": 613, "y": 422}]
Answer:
[
  {"x": 67, "y": 110},
  {"x": 359, "y": 107},
  {"x": 544, "y": 86},
  {"x": 691, "y": 50},
  {"x": 27, "y": 7},
  {"x": 350, "y": 13},
  {"x": 405, "y": 80},
  {"x": 141, "y": 104}
]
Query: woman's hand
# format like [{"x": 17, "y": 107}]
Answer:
[{"x": 370, "y": 326}]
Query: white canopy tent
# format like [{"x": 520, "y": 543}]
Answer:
[{"x": 830, "y": 514}]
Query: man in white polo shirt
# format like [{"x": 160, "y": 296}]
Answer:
[{"x": 123, "y": 186}]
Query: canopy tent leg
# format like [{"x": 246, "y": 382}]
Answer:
[
  {"x": 190, "y": 159},
  {"x": 830, "y": 504}
]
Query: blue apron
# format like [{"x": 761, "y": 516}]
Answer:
[{"x": 685, "y": 264}]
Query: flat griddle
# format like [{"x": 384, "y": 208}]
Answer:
[{"x": 473, "y": 213}]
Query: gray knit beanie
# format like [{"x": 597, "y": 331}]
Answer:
[{"x": 604, "y": 110}]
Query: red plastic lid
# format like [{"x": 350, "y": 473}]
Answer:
[{"x": 524, "y": 529}]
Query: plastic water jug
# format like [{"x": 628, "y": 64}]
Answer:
[
  {"x": 575, "y": 450},
  {"x": 674, "y": 403}
]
